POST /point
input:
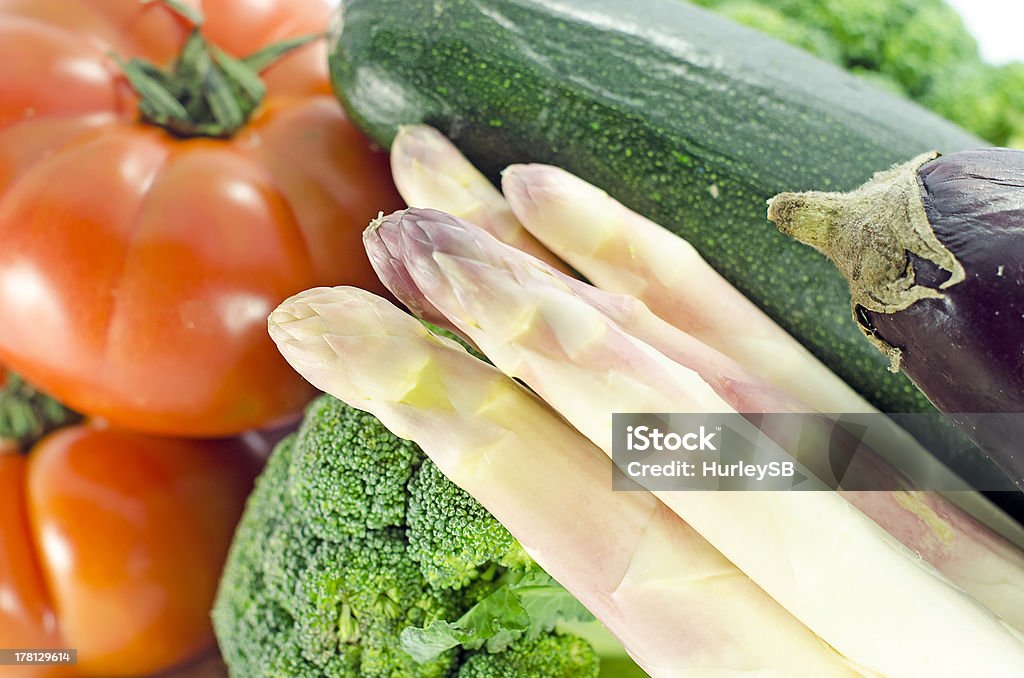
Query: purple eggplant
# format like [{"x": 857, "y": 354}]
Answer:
[{"x": 934, "y": 253}]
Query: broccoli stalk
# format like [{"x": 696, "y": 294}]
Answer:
[{"x": 353, "y": 537}]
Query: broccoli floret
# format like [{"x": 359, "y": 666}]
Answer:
[
  {"x": 548, "y": 656},
  {"x": 359, "y": 594},
  {"x": 988, "y": 100},
  {"x": 911, "y": 41},
  {"x": 927, "y": 48},
  {"x": 339, "y": 478},
  {"x": 452, "y": 536},
  {"x": 323, "y": 576},
  {"x": 256, "y": 634},
  {"x": 917, "y": 48},
  {"x": 861, "y": 28}
]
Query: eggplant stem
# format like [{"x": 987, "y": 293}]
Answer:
[{"x": 869, "y": 234}]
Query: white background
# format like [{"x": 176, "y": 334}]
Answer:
[{"x": 997, "y": 25}]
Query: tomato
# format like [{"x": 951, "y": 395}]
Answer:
[
  {"x": 113, "y": 543},
  {"x": 138, "y": 267}
]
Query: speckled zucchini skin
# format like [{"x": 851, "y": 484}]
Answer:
[{"x": 687, "y": 118}]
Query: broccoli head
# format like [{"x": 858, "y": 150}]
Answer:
[
  {"x": 917, "y": 48},
  {"x": 339, "y": 476},
  {"x": 352, "y": 536},
  {"x": 452, "y": 536}
]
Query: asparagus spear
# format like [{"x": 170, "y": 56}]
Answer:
[
  {"x": 827, "y": 563},
  {"x": 675, "y": 602},
  {"x": 620, "y": 251},
  {"x": 430, "y": 172}
]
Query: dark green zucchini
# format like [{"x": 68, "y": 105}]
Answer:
[{"x": 685, "y": 117}]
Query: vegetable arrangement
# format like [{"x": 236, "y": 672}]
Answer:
[
  {"x": 930, "y": 249},
  {"x": 171, "y": 170},
  {"x": 626, "y": 253},
  {"x": 146, "y": 236},
  {"x": 649, "y": 578},
  {"x": 688, "y": 119}
]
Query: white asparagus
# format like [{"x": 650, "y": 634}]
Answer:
[
  {"x": 625, "y": 252},
  {"x": 965, "y": 551},
  {"x": 836, "y": 570},
  {"x": 676, "y": 603},
  {"x": 430, "y": 172},
  {"x": 621, "y": 251}
]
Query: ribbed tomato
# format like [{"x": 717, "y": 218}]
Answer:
[{"x": 138, "y": 266}]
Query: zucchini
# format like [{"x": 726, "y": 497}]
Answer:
[{"x": 683, "y": 116}]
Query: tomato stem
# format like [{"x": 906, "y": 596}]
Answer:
[
  {"x": 26, "y": 414},
  {"x": 206, "y": 92}
]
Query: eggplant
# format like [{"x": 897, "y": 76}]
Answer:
[{"x": 933, "y": 250}]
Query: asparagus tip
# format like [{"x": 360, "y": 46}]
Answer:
[{"x": 416, "y": 143}]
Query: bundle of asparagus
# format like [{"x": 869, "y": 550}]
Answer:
[{"x": 899, "y": 583}]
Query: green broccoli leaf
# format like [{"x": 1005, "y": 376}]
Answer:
[
  {"x": 531, "y": 605},
  {"x": 491, "y": 618},
  {"x": 548, "y": 603}
]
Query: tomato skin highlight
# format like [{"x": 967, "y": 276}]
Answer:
[
  {"x": 131, "y": 532},
  {"x": 138, "y": 267},
  {"x": 27, "y": 617}
]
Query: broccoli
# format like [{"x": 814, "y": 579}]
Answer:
[
  {"x": 917, "y": 48},
  {"x": 555, "y": 656},
  {"x": 27, "y": 415},
  {"x": 338, "y": 476},
  {"x": 353, "y": 540},
  {"x": 451, "y": 535},
  {"x": 928, "y": 48},
  {"x": 988, "y": 100}
]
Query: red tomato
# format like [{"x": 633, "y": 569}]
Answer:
[
  {"x": 113, "y": 543},
  {"x": 138, "y": 268}
]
